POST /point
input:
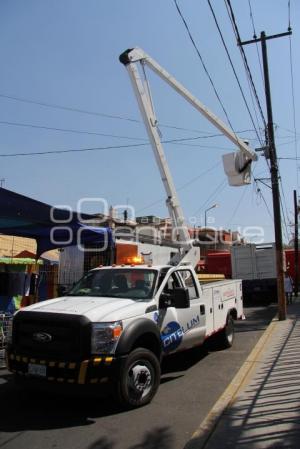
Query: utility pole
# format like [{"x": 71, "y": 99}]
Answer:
[
  {"x": 274, "y": 173},
  {"x": 296, "y": 245}
]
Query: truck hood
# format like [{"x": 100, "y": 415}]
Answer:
[{"x": 96, "y": 309}]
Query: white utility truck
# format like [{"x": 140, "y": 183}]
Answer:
[{"x": 118, "y": 322}]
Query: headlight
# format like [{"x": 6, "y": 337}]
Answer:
[{"x": 105, "y": 337}]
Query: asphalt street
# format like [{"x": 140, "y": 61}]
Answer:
[{"x": 191, "y": 383}]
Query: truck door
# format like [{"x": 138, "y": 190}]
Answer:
[{"x": 185, "y": 327}]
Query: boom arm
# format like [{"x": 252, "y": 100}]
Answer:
[
  {"x": 129, "y": 57},
  {"x": 145, "y": 104},
  {"x": 133, "y": 58}
]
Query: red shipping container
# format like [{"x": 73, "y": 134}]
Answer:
[
  {"x": 290, "y": 263},
  {"x": 219, "y": 263}
]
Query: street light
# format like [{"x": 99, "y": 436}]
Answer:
[{"x": 206, "y": 210}]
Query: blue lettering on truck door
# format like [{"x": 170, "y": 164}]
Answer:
[
  {"x": 171, "y": 336},
  {"x": 173, "y": 333}
]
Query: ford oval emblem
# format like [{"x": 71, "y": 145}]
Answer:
[{"x": 42, "y": 337}]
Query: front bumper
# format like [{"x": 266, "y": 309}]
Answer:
[{"x": 95, "y": 370}]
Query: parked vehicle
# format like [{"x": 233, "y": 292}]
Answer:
[
  {"x": 118, "y": 322},
  {"x": 256, "y": 266}
]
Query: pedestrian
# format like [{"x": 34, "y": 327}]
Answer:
[{"x": 288, "y": 289}]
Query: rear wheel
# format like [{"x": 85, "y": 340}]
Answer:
[
  {"x": 226, "y": 336},
  {"x": 139, "y": 378}
]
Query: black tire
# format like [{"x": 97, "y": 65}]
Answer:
[
  {"x": 226, "y": 336},
  {"x": 139, "y": 378}
]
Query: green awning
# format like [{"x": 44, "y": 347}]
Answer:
[{"x": 19, "y": 261}]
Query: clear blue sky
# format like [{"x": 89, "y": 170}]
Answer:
[{"x": 65, "y": 52}]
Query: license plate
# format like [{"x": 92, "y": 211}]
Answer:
[{"x": 37, "y": 370}]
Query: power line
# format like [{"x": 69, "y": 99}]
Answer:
[
  {"x": 244, "y": 58},
  {"x": 213, "y": 195},
  {"x": 286, "y": 129},
  {"x": 68, "y": 108},
  {"x": 184, "y": 186},
  {"x": 101, "y": 114},
  {"x": 202, "y": 62},
  {"x": 258, "y": 57},
  {"x": 266, "y": 204},
  {"x": 285, "y": 212},
  {"x": 245, "y": 190},
  {"x": 238, "y": 205},
  {"x": 232, "y": 66},
  {"x": 110, "y": 147},
  {"x": 75, "y": 131},
  {"x": 285, "y": 227},
  {"x": 254, "y": 37},
  {"x": 293, "y": 100}
]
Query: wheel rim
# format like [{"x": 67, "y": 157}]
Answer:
[
  {"x": 140, "y": 379},
  {"x": 229, "y": 331}
]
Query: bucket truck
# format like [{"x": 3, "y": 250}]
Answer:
[{"x": 118, "y": 322}]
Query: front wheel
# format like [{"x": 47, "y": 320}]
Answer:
[{"x": 139, "y": 378}]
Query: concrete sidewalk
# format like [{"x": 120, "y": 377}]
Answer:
[{"x": 261, "y": 407}]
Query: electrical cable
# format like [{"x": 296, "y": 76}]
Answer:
[
  {"x": 244, "y": 58},
  {"x": 75, "y": 131},
  {"x": 256, "y": 44},
  {"x": 203, "y": 63},
  {"x": 213, "y": 195},
  {"x": 68, "y": 108},
  {"x": 284, "y": 199},
  {"x": 293, "y": 101},
  {"x": 285, "y": 227},
  {"x": 260, "y": 66},
  {"x": 286, "y": 129},
  {"x": 232, "y": 66},
  {"x": 237, "y": 206},
  {"x": 118, "y": 117},
  {"x": 184, "y": 186},
  {"x": 239, "y": 202},
  {"x": 266, "y": 204},
  {"x": 110, "y": 147}
]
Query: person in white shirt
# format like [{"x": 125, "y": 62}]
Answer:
[{"x": 288, "y": 289}]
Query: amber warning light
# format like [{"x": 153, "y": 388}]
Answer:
[{"x": 133, "y": 260}]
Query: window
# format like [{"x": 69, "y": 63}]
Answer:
[
  {"x": 172, "y": 283},
  {"x": 117, "y": 283},
  {"x": 188, "y": 281}
]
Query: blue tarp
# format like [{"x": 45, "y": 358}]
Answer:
[{"x": 51, "y": 227}]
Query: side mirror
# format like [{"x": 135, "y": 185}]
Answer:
[
  {"x": 181, "y": 298},
  {"x": 166, "y": 300}
]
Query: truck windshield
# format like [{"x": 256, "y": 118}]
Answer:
[{"x": 130, "y": 283}]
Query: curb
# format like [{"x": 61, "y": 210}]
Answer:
[{"x": 202, "y": 435}]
